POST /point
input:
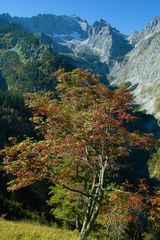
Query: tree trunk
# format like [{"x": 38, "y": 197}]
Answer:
[
  {"x": 86, "y": 229},
  {"x": 93, "y": 205},
  {"x": 78, "y": 222},
  {"x": 89, "y": 219},
  {"x": 84, "y": 235}
]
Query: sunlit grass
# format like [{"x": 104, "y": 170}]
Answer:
[{"x": 28, "y": 231}]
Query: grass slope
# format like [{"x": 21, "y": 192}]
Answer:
[{"x": 28, "y": 231}]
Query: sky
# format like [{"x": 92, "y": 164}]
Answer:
[{"x": 126, "y": 15}]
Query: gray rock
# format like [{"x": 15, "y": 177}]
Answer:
[{"x": 141, "y": 71}]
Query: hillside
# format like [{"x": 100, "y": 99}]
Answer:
[{"x": 26, "y": 62}]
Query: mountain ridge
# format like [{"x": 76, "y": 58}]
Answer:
[
  {"x": 73, "y": 37},
  {"x": 120, "y": 59}
]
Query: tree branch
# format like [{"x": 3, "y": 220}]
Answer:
[{"x": 73, "y": 190}]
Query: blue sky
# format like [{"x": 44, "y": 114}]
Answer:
[{"x": 125, "y": 15}]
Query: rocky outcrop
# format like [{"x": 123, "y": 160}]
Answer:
[{"x": 105, "y": 42}]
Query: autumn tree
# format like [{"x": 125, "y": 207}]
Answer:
[
  {"x": 132, "y": 214},
  {"x": 84, "y": 140}
]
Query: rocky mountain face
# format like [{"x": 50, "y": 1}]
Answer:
[
  {"x": 103, "y": 42},
  {"x": 154, "y": 26},
  {"x": 93, "y": 46},
  {"x": 140, "y": 68}
]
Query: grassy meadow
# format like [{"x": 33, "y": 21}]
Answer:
[{"x": 27, "y": 231}]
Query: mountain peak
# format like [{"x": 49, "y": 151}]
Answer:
[
  {"x": 99, "y": 26},
  {"x": 75, "y": 17},
  {"x": 156, "y": 20},
  {"x": 153, "y": 26},
  {"x": 5, "y": 16},
  {"x": 101, "y": 22}
]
